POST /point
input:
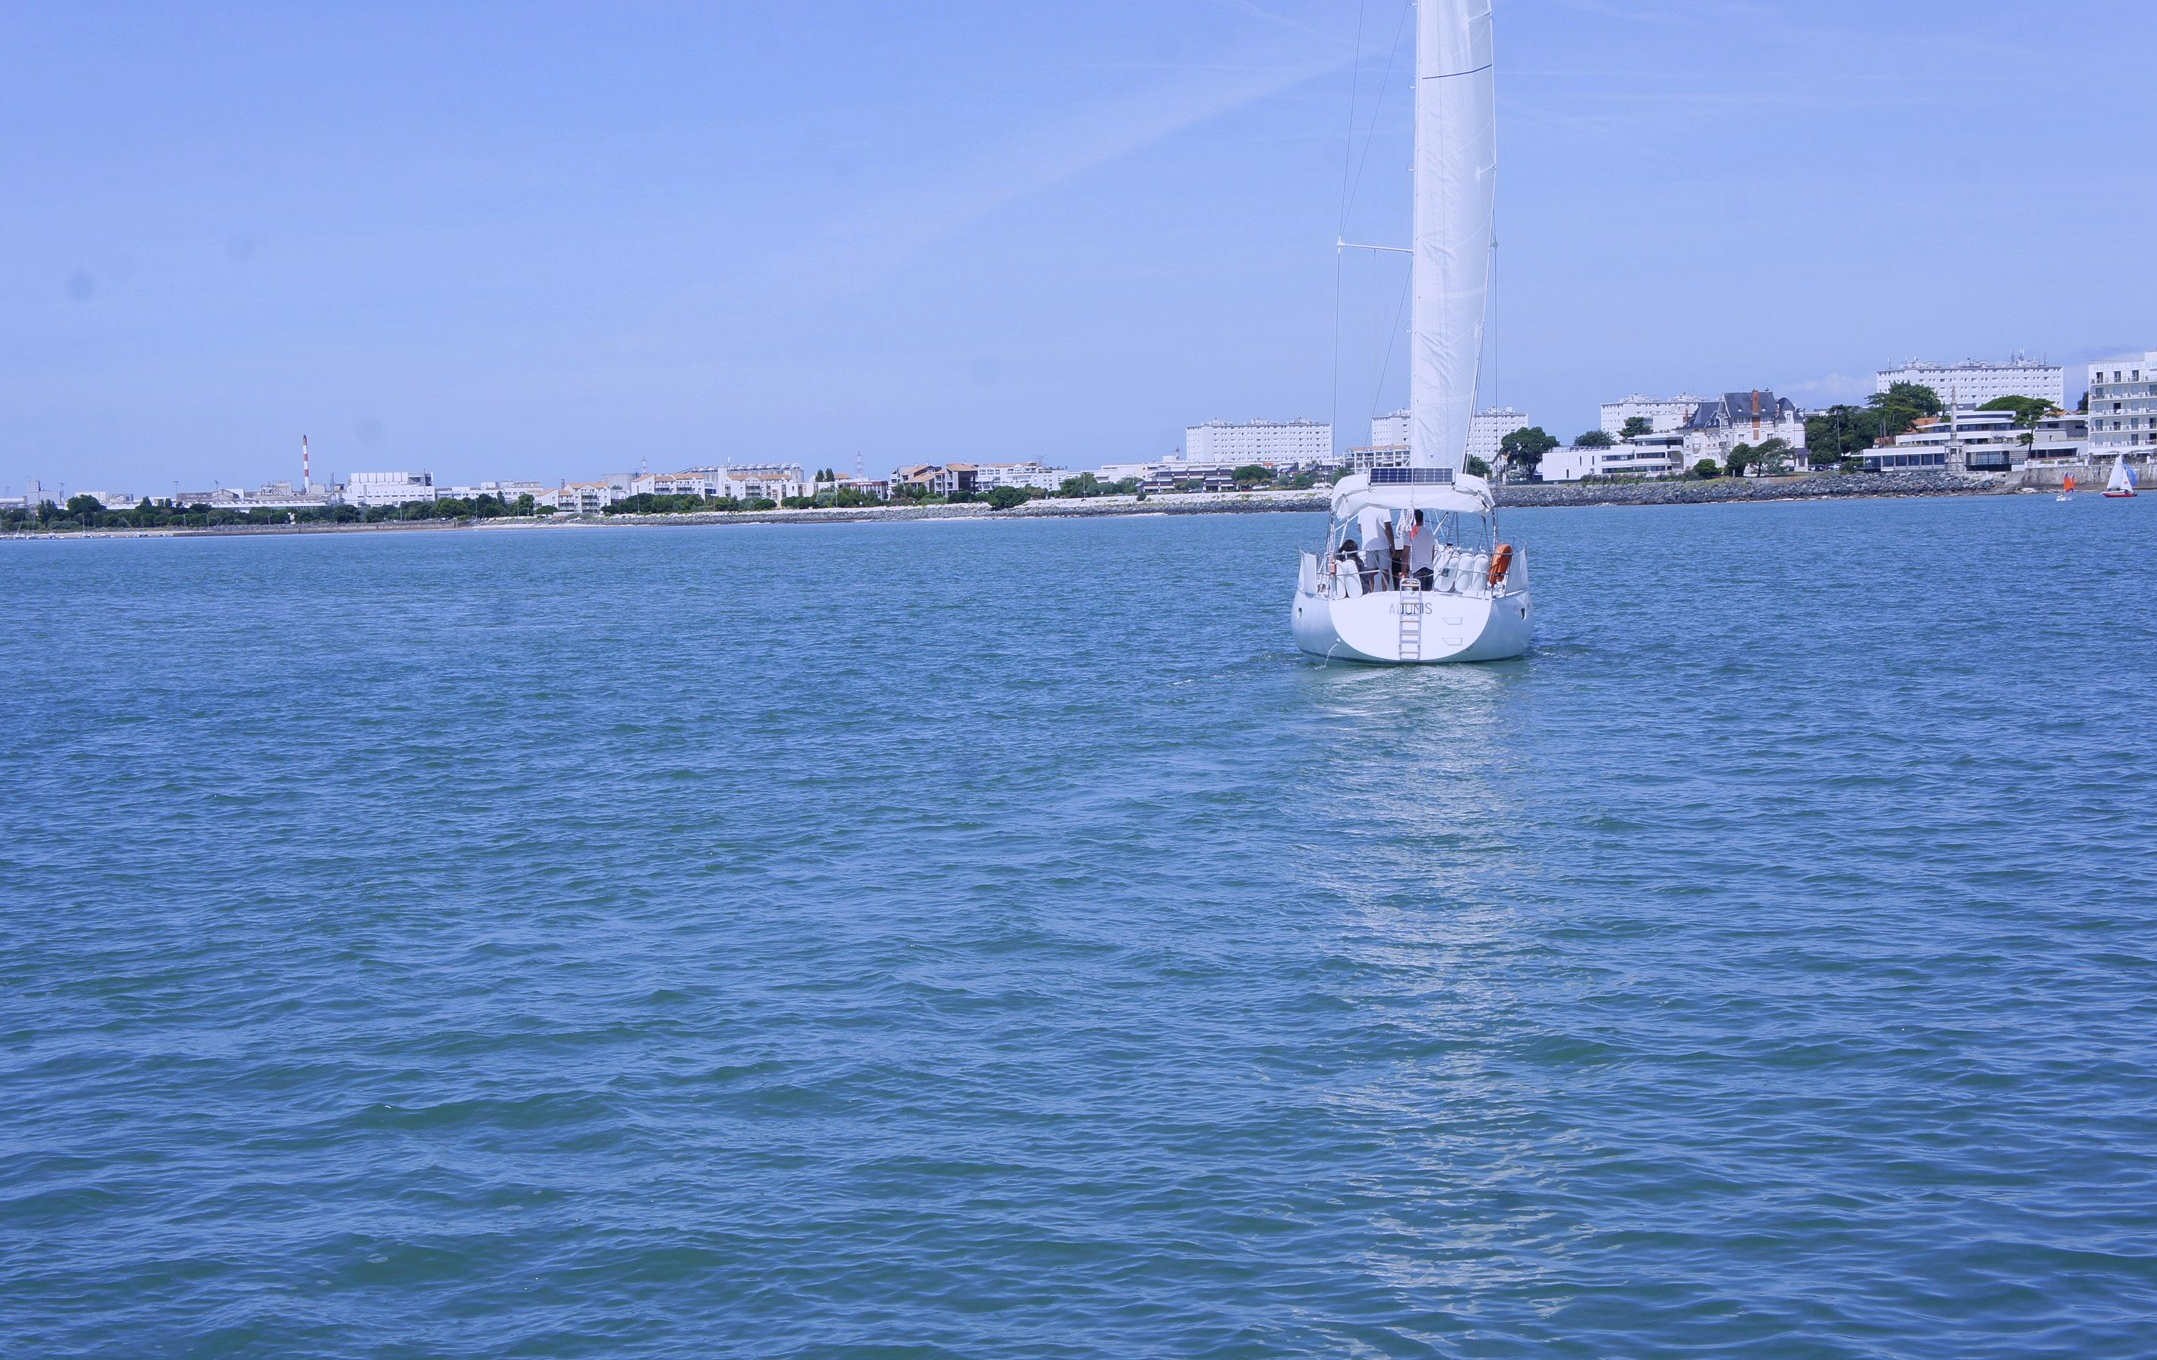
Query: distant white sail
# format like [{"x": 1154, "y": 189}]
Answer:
[
  {"x": 2121, "y": 479},
  {"x": 1456, "y": 174}
]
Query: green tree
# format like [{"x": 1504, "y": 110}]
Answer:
[
  {"x": 85, "y": 505},
  {"x": 1252, "y": 475},
  {"x": 1841, "y": 433},
  {"x": 1594, "y": 439},
  {"x": 1083, "y": 485},
  {"x": 1903, "y": 405},
  {"x": 1707, "y": 468},
  {"x": 1636, "y": 426},
  {"x": 1478, "y": 468},
  {"x": 2028, "y": 410},
  {"x": 1008, "y": 497},
  {"x": 1740, "y": 458},
  {"x": 1524, "y": 448},
  {"x": 1772, "y": 457}
]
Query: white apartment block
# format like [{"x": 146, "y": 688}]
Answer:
[
  {"x": 690, "y": 482},
  {"x": 585, "y": 498},
  {"x": 1663, "y": 414},
  {"x": 370, "y": 489},
  {"x": 765, "y": 481},
  {"x": 1224, "y": 443},
  {"x": 771, "y": 481},
  {"x": 2123, "y": 407},
  {"x": 1119, "y": 472},
  {"x": 1649, "y": 456},
  {"x": 1972, "y": 382},
  {"x": 1031, "y": 474},
  {"x": 1383, "y": 456},
  {"x": 1485, "y": 430}
]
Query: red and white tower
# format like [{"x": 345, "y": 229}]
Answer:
[{"x": 307, "y": 467}]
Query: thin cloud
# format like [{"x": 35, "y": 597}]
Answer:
[{"x": 867, "y": 246}]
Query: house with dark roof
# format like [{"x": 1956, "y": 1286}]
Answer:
[{"x": 1720, "y": 424}]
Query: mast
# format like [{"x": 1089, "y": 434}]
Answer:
[{"x": 1456, "y": 173}]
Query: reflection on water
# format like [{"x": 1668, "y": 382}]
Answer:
[{"x": 997, "y": 936}]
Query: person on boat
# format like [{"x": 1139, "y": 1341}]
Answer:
[
  {"x": 1377, "y": 527},
  {"x": 1422, "y": 550}
]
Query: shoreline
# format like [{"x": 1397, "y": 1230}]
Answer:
[{"x": 1520, "y": 496}]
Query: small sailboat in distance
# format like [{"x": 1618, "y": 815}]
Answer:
[
  {"x": 2067, "y": 489},
  {"x": 2121, "y": 484},
  {"x": 1430, "y": 579}
]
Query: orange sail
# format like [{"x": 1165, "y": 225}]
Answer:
[{"x": 2070, "y": 482}]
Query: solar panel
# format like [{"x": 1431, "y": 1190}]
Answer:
[{"x": 1411, "y": 476}]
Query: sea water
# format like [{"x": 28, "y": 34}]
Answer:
[{"x": 994, "y": 939}]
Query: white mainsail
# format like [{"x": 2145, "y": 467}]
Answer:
[
  {"x": 2121, "y": 479},
  {"x": 1456, "y": 177}
]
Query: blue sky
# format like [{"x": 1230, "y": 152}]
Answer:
[{"x": 549, "y": 240}]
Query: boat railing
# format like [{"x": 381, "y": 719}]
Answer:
[{"x": 1461, "y": 573}]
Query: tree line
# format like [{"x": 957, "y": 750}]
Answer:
[{"x": 87, "y": 512}]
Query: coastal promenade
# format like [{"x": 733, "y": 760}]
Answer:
[{"x": 1717, "y": 491}]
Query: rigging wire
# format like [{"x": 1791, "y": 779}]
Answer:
[
  {"x": 1378, "y": 107},
  {"x": 1353, "y": 165},
  {"x": 1348, "y": 155},
  {"x": 1393, "y": 336}
]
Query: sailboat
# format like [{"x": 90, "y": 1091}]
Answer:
[
  {"x": 2121, "y": 484},
  {"x": 2067, "y": 488},
  {"x": 1413, "y": 569}
]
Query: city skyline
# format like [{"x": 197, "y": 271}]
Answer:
[{"x": 537, "y": 249}]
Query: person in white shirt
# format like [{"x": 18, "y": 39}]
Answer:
[
  {"x": 1377, "y": 527},
  {"x": 1422, "y": 550}
]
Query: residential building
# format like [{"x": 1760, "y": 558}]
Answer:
[
  {"x": 933, "y": 479},
  {"x": 1030, "y": 474},
  {"x": 2123, "y": 407},
  {"x": 876, "y": 489},
  {"x": 1656, "y": 455},
  {"x": 502, "y": 491},
  {"x": 702, "y": 482},
  {"x": 1234, "y": 444},
  {"x": 1980, "y": 441},
  {"x": 1663, "y": 414},
  {"x": 765, "y": 481},
  {"x": 1389, "y": 433},
  {"x": 1184, "y": 474},
  {"x": 370, "y": 489},
  {"x": 1720, "y": 424},
  {"x": 1112, "y": 473},
  {"x": 1487, "y": 429},
  {"x": 1381, "y": 456},
  {"x": 1972, "y": 383},
  {"x": 586, "y": 498}
]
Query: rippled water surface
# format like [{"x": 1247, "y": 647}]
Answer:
[{"x": 994, "y": 940}]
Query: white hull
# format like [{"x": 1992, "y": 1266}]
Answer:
[{"x": 1368, "y": 628}]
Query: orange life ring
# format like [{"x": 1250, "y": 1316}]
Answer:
[{"x": 1500, "y": 563}]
